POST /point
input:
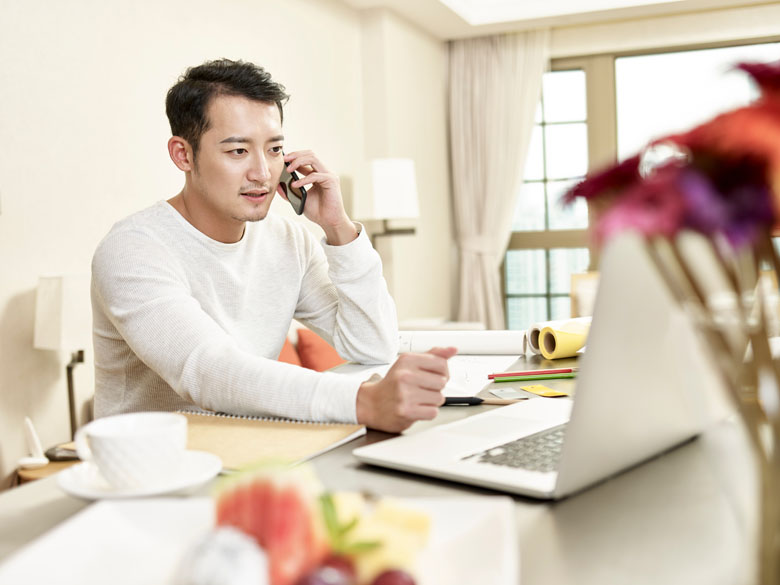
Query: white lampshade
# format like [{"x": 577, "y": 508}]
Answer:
[
  {"x": 63, "y": 315},
  {"x": 394, "y": 189}
]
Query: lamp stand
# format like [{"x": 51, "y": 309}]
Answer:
[
  {"x": 388, "y": 231},
  {"x": 77, "y": 357}
]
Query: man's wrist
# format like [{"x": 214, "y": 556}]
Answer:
[
  {"x": 363, "y": 406},
  {"x": 341, "y": 234}
]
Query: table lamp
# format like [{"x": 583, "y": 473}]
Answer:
[
  {"x": 394, "y": 194},
  {"x": 63, "y": 322}
]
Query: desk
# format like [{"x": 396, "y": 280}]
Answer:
[
  {"x": 682, "y": 518},
  {"x": 25, "y": 475}
]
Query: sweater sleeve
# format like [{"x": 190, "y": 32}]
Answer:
[
  {"x": 139, "y": 289},
  {"x": 344, "y": 298}
]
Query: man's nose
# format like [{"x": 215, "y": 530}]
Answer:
[{"x": 260, "y": 170}]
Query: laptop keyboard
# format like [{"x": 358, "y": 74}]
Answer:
[{"x": 539, "y": 452}]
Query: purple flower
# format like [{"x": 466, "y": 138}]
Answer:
[
  {"x": 729, "y": 196},
  {"x": 706, "y": 211}
]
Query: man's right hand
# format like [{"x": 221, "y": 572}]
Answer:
[{"x": 410, "y": 391}]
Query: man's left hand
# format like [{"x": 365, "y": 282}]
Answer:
[{"x": 324, "y": 203}]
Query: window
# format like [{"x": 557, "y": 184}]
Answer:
[
  {"x": 538, "y": 265},
  {"x": 670, "y": 92}
]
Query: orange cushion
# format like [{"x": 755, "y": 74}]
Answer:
[
  {"x": 315, "y": 352},
  {"x": 289, "y": 354}
]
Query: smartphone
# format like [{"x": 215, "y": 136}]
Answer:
[{"x": 295, "y": 195}]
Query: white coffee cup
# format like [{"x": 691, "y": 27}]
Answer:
[{"x": 134, "y": 451}]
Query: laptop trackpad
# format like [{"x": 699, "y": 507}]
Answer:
[
  {"x": 497, "y": 426},
  {"x": 517, "y": 420}
]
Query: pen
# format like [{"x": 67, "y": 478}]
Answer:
[
  {"x": 535, "y": 377},
  {"x": 532, "y": 373},
  {"x": 474, "y": 400}
]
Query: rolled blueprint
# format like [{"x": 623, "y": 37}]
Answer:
[
  {"x": 492, "y": 342},
  {"x": 565, "y": 339},
  {"x": 535, "y": 331}
]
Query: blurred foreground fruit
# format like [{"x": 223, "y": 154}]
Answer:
[
  {"x": 327, "y": 575},
  {"x": 224, "y": 555},
  {"x": 314, "y": 538},
  {"x": 378, "y": 536},
  {"x": 393, "y": 577},
  {"x": 277, "y": 507},
  {"x": 341, "y": 563}
]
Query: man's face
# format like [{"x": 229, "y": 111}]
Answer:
[{"x": 237, "y": 167}]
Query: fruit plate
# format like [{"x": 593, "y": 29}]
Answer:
[{"x": 473, "y": 540}]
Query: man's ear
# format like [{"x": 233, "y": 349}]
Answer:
[{"x": 181, "y": 153}]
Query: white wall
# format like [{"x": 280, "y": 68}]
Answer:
[
  {"x": 83, "y": 129},
  {"x": 406, "y": 116}
]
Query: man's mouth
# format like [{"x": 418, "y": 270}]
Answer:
[{"x": 254, "y": 193}]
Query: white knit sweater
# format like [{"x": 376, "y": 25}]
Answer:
[{"x": 181, "y": 320}]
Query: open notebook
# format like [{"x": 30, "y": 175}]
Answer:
[{"x": 241, "y": 441}]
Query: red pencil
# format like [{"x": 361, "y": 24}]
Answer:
[{"x": 532, "y": 373}]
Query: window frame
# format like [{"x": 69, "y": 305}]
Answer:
[{"x": 572, "y": 238}]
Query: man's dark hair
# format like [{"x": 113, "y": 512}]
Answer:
[{"x": 187, "y": 101}]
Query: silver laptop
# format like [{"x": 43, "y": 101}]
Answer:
[{"x": 646, "y": 384}]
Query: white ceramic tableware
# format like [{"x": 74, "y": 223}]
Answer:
[
  {"x": 85, "y": 481},
  {"x": 135, "y": 451}
]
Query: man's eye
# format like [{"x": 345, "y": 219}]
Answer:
[
  {"x": 239, "y": 151},
  {"x": 276, "y": 149}
]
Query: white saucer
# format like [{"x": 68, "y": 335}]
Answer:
[{"x": 84, "y": 481}]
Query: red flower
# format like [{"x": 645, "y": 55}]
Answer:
[{"x": 612, "y": 180}]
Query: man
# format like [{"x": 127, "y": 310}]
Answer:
[{"x": 193, "y": 297}]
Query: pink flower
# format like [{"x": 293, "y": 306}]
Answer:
[{"x": 654, "y": 206}]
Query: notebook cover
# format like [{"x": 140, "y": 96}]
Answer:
[{"x": 243, "y": 441}]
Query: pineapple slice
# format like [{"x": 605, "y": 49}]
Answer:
[{"x": 399, "y": 531}]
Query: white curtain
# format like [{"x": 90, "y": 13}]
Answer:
[{"x": 495, "y": 84}]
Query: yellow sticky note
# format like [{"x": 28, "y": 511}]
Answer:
[{"x": 540, "y": 390}]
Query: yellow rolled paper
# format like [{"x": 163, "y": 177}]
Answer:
[
  {"x": 563, "y": 340},
  {"x": 534, "y": 334}
]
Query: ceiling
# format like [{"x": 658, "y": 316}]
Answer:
[{"x": 468, "y": 18}]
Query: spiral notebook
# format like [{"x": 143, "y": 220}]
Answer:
[{"x": 241, "y": 441}]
